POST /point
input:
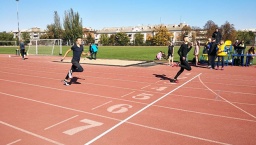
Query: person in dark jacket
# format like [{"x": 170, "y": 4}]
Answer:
[
  {"x": 183, "y": 51},
  {"x": 217, "y": 35},
  {"x": 213, "y": 53}
]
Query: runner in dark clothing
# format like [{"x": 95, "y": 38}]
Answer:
[
  {"x": 77, "y": 49},
  {"x": 183, "y": 51}
]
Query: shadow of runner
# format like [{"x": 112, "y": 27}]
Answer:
[{"x": 74, "y": 80}]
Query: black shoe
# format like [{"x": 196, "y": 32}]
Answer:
[{"x": 174, "y": 81}]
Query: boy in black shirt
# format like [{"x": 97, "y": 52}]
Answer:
[
  {"x": 183, "y": 51},
  {"x": 77, "y": 49}
]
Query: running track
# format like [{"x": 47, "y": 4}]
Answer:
[{"x": 108, "y": 105}]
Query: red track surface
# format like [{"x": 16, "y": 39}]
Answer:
[{"x": 125, "y": 105}]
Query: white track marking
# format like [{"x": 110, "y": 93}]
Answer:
[
  {"x": 134, "y": 114},
  {"x": 101, "y": 105},
  {"x": 127, "y": 94},
  {"x": 14, "y": 142},
  {"x": 60, "y": 122},
  {"x": 80, "y": 111},
  {"x": 145, "y": 87},
  {"x": 226, "y": 100},
  {"x": 31, "y": 133},
  {"x": 179, "y": 134}
]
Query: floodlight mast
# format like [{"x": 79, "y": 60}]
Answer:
[{"x": 18, "y": 20}]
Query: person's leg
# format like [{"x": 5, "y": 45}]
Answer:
[
  {"x": 209, "y": 60},
  {"x": 213, "y": 62},
  {"x": 95, "y": 55},
  {"x": 22, "y": 53},
  {"x": 222, "y": 62},
  {"x": 218, "y": 62},
  {"x": 172, "y": 60},
  {"x": 196, "y": 57}
]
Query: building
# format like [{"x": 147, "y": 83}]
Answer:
[
  {"x": 142, "y": 29},
  {"x": 34, "y": 33}
]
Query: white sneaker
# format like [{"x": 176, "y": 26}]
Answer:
[
  {"x": 70, "y": 74},
  {"x": 65, "y": 82}
]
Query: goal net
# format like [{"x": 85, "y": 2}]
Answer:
[{"x": 45, "y": 47}]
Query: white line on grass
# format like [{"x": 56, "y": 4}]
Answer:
[
  {"x": 31, "y": 133},
  {"x": 226, "y": 100},
  {"x": 61, "y": 122},
  {"x": 144, "y": 108}
]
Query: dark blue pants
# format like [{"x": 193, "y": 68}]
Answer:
[{"x": 76, "y": 67}]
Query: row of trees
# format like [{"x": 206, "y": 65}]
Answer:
[{"x": 72, "y": 27}]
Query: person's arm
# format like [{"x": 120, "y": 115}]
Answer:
[{"x": 66, "y": 54}]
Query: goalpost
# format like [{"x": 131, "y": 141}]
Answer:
[{"x": 45, "y": 47}]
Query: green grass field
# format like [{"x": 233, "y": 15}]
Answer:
[{"x": 145, "y": 53}]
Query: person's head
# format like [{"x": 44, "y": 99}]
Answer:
[
  {"x": 222, "y": 42},
  {"x": 78, "y": 40},
  {"x": 185, "y": 38},
  {"x": 216, "y": 29},
  {"x": 21, "y": 40},
  {"x": 209, "y": 40}
]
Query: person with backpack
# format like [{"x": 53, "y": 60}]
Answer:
[{"x": 93, "y": 51}]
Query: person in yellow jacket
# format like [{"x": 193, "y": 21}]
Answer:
[{"x": 220, "y": 54}]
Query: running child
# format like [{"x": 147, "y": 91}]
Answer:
[
  {"x": 183, "y": 51},
  {"x": 77, "y": 49}
]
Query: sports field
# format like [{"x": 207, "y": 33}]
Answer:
[{"x": 135, "y": 105}]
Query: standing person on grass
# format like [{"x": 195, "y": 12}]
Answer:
[
  {"x": 170, "y": 53},
  {"x": 77, "y": 49},
  {"x": 183, "y": 51},
  {"x": 22, "y": 49},
  {"x": 213, "y": 53},
  {"x": 196, "y": 52},
  {"x": 221, "y": 53}
]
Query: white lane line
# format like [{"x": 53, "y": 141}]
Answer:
[
  {"x": 145, "y": 87},
  {"x": 131, "y": 116},
  {"x": 80, "y": 111},
  {"x": 31, "y": 133},
  {"x": 127, "y": 94},
  {"x": 11, "y": 143},
  {"x": 227, "y": 100},
  {"x": 179, "y": 134},
  {"x": 60, "y": 122},
  {"x": 101, "y": 105}
]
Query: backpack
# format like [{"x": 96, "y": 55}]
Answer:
[{"x": 94, "y": 48}]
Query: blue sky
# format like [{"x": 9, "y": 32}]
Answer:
[{"x": 116, "y": 13}]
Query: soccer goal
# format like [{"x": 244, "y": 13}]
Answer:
[{"x": 45, "y": 47}]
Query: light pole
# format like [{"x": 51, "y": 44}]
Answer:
[{"x": 18, "y": 20}]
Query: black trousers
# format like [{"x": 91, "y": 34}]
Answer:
[
  {"x": 93, "y": 55},
  {"x": 76, "y": 67},
  {"x": 183, "y": 65},
  {"x": 22, "y": 52}
]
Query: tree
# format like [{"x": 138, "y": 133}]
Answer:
[
  {"x": 121, "y": 39},
  {"x": 6, "y": 37},
  {"x": 104, "y": 39},
  {"x": 247, "y": 36},
  {"x": 89, "y": 38},
  {"x": 72, "y": 26},
  {"x": 139, "y": 38},
  {"x": 228, "y": 31},
  {"x": 57, "y": 26},
  {"x": 210, "y": 27},
  {"x": 26, "y": 37},
  {"x": 112, "y": 39},
  {"x": 162, "y": 35}
]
